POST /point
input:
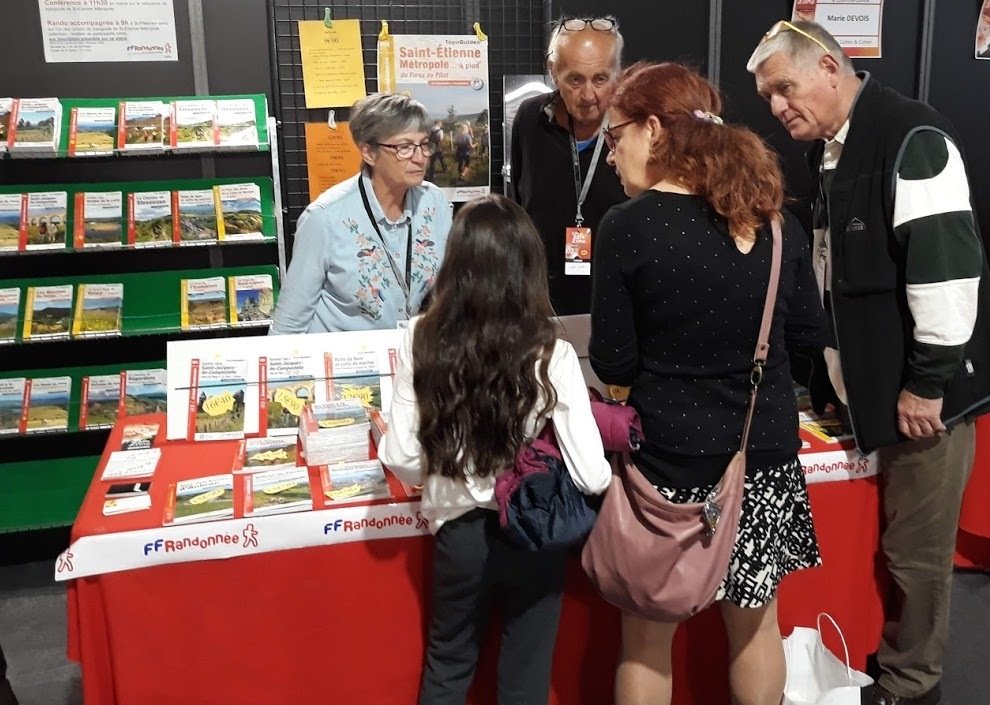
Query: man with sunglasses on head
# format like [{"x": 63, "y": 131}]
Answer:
[
  {"x": 559, "y": 174},
  {"x": 367, "y": 250},
  {"x": 899, "y": 262}
]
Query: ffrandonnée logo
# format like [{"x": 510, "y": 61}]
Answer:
[
  {"x": 376, "y": 523},
  {"x": 248, "y": 538},
  {"x": 165, "y": 49}
]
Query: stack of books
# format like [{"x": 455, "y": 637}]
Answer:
[{"x": 334, "y": 432}]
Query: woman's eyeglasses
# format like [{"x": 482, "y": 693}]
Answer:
[
  {"x": 576, "y": 24},
  {"x": 785, "y": 26},
  {"x": 612, "y": 139},
  {"x": 406, "y": 150}
]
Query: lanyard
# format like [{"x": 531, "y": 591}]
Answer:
[
  {"x": 403, "y": 281},
  {"x": 581, "y": 190}
]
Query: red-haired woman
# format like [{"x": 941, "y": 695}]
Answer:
[{"x": 680, "y": 274}]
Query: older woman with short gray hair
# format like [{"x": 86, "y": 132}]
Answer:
[{"x": 367, "y": 250}]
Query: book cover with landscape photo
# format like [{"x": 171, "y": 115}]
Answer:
[
  {"x": 149, "y": 219},
  {"x": 236, "y": 124},
  {"x": 201, "y": 499},
  {"x": 145, "y": 391},
  {"x": 240, "y": 206},
  {"x": 99, "y": 219},
  {"x": 274, "y": 491},
  {"x": 10, "y": 304},
  {"x": 12, "y": 209},
  {"x": 48, "y": 404},
  {"x": 217, "y": 398},
  {"x": 268, "y": 454},
  {"x": 11, "y": 404},
  {"x": 195, "y": 217},
  {"x": 34, "y": 126},
  {"x": 140, "y": 126},
  {"x": 46, "y": 220},
  {"x": 291, "y": 386},
  {"x": 98, "y": 309},
  {"x": 193, "y": 124},
  {"x": 92, "y": 131},
  {"x": 48, "y": 312},
  {"x": 100, "y": 401},
  {"x": 252, "y": 299},
  {"x": 203, "y": 303}
]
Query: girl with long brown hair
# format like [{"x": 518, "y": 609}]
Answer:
[
  {"x": 478, "y": 374},
  {"x": 680, "y": 273}
]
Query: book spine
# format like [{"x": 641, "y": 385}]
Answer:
[
  {"x": 184, "y": 305},
  {"x": 216, "y": 124},
  {"x": 84, "y": 405},
  {"x": 328, "y": 375},
  {"x": 23, "y": 235},
  {"x": 193, "y": 401},
  {"x": 248, "y": 495},
  {"x": 73, "y": 131},
  {"x": 131, "y": 229},
  {"x": 173, "y": 132},
  {"x": 28, "y": 313},
  {"x": 25, "y": 406},
  {"x": 218, "y": 206},
  {"x": 169, "y": 515},
  {"x": 79, "y": 224},
  {"x": 232, "y": 299},
  {"x": 176, "y": 224},
  {"x": 122, "y": 126},
  {"x": 77, "y": 317},
  {"x": 263, "y": 396},
  {"x": 12, "y": 127},
  {"x": 122, "y": 404}
]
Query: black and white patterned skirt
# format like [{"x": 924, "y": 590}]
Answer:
[{"x": 776, "y": 532}]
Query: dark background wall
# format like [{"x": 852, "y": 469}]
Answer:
[{"x": 675, "y": 30}]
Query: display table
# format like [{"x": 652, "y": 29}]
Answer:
[{"x": 330, "y": 605}]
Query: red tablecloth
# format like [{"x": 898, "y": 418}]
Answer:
[
  {"x": 973, "y": 542},
  {"x": 345, "y": 623}
]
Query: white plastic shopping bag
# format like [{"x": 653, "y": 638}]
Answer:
[{"x": 816, "y": 676}]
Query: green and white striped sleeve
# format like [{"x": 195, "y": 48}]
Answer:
[{"x": 934, "y": 221}]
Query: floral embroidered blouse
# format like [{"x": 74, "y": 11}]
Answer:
[{"x": 339, "y": 277}]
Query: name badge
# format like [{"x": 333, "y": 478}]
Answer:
[{"x": 577, "y": 252}]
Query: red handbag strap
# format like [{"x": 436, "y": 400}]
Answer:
[{"x": 763, "y": 341}]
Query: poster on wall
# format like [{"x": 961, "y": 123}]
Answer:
[
  {"x": 108, "y": 31},
  {"x": 983, "y": 32},
  {"x": 449, "y": 75},
  {"x": 855, "y": 24},
  {"x": 332, "y": 68},
  {"x": 331, "y": 156}
]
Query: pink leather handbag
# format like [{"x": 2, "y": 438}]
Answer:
[{"x": 665, "y": 561}]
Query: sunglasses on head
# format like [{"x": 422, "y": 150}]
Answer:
[{"x": 785, "y": 26}]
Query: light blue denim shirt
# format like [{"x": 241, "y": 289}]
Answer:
[{"x": 340, "y": 279}]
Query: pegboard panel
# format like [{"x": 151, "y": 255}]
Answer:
[{"x": 516, "y": 29}]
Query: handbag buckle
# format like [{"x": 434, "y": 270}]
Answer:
[{"x": 711, "y": 512}]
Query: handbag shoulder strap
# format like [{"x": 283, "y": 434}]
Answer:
[{"x": 763, "y": 341}]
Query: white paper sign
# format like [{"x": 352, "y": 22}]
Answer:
[
  {"x": 855, "y": 24},
  {"x": 89, "y": 31}
]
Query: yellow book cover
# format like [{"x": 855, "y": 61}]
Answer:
[
  {"x": 204, "y": 303},
  {"x": 98, "y": 309},
  {"x": 48, "y": 313}
]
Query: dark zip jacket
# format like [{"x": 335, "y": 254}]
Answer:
[{"x": 870, "y": 270}]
